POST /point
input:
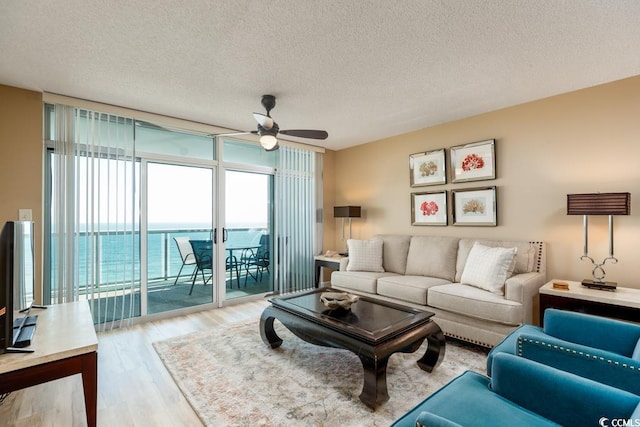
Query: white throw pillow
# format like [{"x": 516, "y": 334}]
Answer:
[
  {"x": 365, "y": 255},
  {"x": 488, "y": 268}
]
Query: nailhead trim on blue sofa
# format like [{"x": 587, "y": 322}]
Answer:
[{"x": 579, "y": 353}]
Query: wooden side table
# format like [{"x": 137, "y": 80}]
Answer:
[
  {"x": 325, "y": 261},
  {"x": 64, "y": 344},
  {"x": 623, "y": 303}
]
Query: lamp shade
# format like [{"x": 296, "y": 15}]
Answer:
[
  {"x": 599, "y": 204},
  {"x": 346, "y": 211}
]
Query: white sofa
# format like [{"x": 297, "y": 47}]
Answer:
[{"x": 426, "y": 272}]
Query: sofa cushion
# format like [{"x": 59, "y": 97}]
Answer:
[
  {"x": 475, "y": 302},
  {"x": 432, "y": 256},
  {"x": 612, "y": 335},
  {"x": 408, "y": 288},
  {"x": 525, "y": 258},
  {"x": 394, "y": 252},
  {"x": 487, "y": 268},
  {"x": 365, "y": 255},
  {"x": 363, "y": 281}
]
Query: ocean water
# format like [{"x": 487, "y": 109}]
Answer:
[{"x": 114, "y": 258}]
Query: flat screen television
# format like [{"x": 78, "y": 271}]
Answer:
[{"x": 16, "y": 286}]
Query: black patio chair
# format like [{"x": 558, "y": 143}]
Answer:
[
  {"x": 203, "y": 252},
  {"x": 234, "y": 265},
  {"x": 258, "y": 259}
]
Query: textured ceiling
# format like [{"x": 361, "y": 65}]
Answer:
[{"x": 362, "y": 70}]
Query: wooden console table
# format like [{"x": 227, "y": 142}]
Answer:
[
  {"x": 623, "y": 303},
  {"x": 65, "y": 344}
]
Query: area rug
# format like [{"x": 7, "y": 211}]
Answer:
[{"x": 231, "y": 378}]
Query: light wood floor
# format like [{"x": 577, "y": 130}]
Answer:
[{"x": 134, "y": 388}]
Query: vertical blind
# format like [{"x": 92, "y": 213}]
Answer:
[
  {"x": 295, "y": 218},
  {"x": 94, "y": 224}
]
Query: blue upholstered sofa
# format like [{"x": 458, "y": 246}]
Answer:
[
  {"x": 598, "y": 348},
  {"x": 523, "y": 393}
]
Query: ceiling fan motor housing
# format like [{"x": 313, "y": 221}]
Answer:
[
  {"x": 268, "y": 102},
  {"x": 271, "y": 131}
]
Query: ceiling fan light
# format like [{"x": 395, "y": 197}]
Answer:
[
  {"x": 269, "y": 142},
  {"x": 275, "y": 147}
]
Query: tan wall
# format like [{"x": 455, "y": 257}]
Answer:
[
  {"x": 21, "y": 162},
  {"x": 329, "y": 187},
  {"x": 329, "y": 190},
  {"x": 584, "y": 141}
]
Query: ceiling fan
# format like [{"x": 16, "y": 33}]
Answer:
[{"x": 268, "y": 129}]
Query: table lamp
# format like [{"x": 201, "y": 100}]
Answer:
[
  {"x": 599, "y": 204},
  {"x": 346, "y": 212}
]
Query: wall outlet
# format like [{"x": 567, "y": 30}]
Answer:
[{"x": 25, "y": 214}]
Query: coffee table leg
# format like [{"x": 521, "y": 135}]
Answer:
[
  {"x": 374, "y": 389},
  {"x": 267, "y": 333},
  {"x": 435, "y": 351}
]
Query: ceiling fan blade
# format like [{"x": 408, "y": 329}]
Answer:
[
  {"x": 306, "y": 133},
  {"x": 265, "y": 121}
]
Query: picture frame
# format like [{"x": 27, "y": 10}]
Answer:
[
  {"x": 475, "y": 207},
  {"x": 473, "y": 162},
  {"x": 428, "y": 168},
  {"x": 429, "y": 208}
]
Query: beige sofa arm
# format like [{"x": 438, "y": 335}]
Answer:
[
  {"x": 523, "y": 288},
  {"x": 343, "y": 263}
]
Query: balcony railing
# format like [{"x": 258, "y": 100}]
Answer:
[{"x": 109, "y": 259}]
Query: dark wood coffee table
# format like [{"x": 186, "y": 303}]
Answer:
[{"x": 372, "y": 329}]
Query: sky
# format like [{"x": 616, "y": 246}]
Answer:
[{"x": 183, "y": 194}]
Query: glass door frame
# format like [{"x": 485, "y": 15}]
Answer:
[
  {"x": 262, "y": 170},
  {"x": 144, "y": 235},
  {"x": 218, "y": 225}
]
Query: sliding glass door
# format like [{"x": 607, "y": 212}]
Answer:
[
  {"x": 248, "y": 233},
  {"x": 180, "y": 251}
]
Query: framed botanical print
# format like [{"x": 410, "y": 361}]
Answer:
[
  {"x": 475, "y": 206},
  {"x": 428, "y": 168},
  {"x": 429, "y": 208},
  {"x": 473, "y": 162}
]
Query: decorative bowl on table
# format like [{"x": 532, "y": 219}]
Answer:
[{"x": 335, "y": 300}]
